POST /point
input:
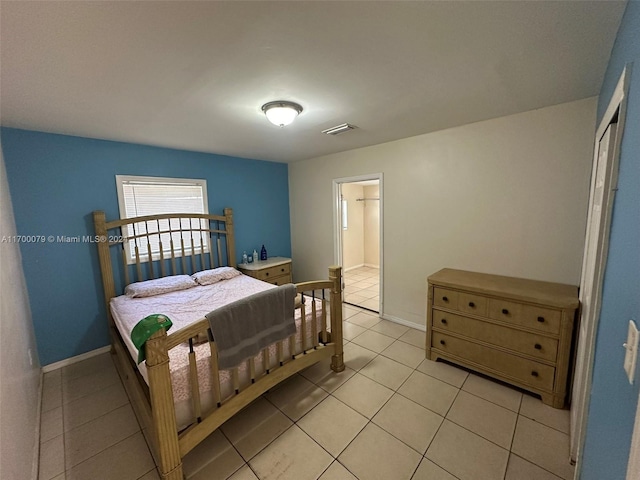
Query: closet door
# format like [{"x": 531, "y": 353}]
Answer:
[{"x": 594, "y": 261}]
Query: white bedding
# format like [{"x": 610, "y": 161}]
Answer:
[{"x": 185, "y": 307}]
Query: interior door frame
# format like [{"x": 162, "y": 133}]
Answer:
[
  {"x": 337, "y": 227},
  {"x": 581, "y": 390},
  {"x": 633, "y": 467}
]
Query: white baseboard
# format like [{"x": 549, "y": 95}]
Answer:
[
  {"x": 353, "y": 268},
  {"x": 371, "y": 265},
  {"x": 406, "y": 323},
  {"x": 78, "y": 358},
  {"x": 398, "y": 320}
]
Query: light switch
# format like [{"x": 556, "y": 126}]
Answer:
[{"x": 631, "y": 354}]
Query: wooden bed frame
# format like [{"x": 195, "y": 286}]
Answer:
[{"x": 184, "y": 244}]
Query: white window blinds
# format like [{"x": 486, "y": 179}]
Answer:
[
  {"x": 151, "y": 199},
  {"x": 141, "y": 196}
]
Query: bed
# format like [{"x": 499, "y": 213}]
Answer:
[{"x": 179, "y": 393}]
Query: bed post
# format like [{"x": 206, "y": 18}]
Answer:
[
  {"x": 337, "y": 360},
  {"x": 162, "y": 408},
  {"x": 231, "y": 244},
  {"x": 99, "y": 221}
]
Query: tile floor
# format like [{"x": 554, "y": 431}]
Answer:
[
  {"x": 390, "y": 415},
  {"x": 362, "y": 287}
]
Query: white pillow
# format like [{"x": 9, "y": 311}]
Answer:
[
  {"x": 207, "y": 277},
  {"x": 158, "y": 286}
]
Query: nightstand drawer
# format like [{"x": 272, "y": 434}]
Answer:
[
  {"x": 273, "y": 272},
  {"x": 282, "y": 280}
]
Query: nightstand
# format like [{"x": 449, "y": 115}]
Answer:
[{"x": 275, "y": 270}]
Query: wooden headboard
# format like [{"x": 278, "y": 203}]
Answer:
[{"x": 143, "y": 248}]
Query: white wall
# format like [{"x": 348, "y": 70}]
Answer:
[
  {"x": 19, "y": 381},
  {"x": 371, "y": 226},
  {"x": 505, "y": 196}
]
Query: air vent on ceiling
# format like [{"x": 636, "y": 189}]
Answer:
[{"x": 338, "y": 129}]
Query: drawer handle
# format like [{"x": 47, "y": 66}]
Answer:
[
  {"x": 472, "y": 305},
  {"x": 505, "y": 311},
  {"x": 444, "y": 320},
  {"x": 442, "y": 342},
  {"x": 534, "y": 373},
  {"x": 266, "y": 274},
  {"x": 537, "y": 346},
  {"x": 282, "y": 269},
  {"x": 541, "y": 319},
  {"x": 445, "y": 299}
]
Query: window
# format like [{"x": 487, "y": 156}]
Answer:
[
  {"x": 138, "y": 196},
  {"x": 344, "y": 214}
]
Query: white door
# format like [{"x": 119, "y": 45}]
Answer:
[{"x": 594, "y": 260}]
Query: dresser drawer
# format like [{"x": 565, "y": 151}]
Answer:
[
  {"x": 268, "y": 273},
  {"x": 475, "y": 304},
  {"x": 443, "y": 297},
  {"x": 544, "y": 348},
  {"x": 530, "y": 316},
  {"x": 525, "y": 371}
]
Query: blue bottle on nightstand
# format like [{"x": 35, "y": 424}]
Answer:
[{"x": 263, "y": 253}]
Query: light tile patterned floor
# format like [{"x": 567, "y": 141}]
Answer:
[
  {"x": 362, "y": 287},
  {"x": 398, "y": 416}
]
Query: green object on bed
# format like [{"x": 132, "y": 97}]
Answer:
[{"x": 147, "y": 327}]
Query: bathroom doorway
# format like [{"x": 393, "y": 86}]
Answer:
[{"x": 358, "y": 240}]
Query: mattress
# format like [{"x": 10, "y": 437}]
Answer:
[{"x": 185, "y": 307}]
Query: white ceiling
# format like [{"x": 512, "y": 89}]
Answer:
[{"x": 193, "y": 75}]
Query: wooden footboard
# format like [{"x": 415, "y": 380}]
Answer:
[{"x": 170, "y": 446}]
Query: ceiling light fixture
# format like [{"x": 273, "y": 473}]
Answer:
[{"x": 281, "y": 112}]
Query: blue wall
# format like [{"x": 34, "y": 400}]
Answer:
[
  {"x": 56, "y": 182},
  {"x": 613, "y": 399}
]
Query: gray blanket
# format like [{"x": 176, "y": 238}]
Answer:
[{"x": 242, "y": 328}]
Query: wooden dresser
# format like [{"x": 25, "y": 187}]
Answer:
[
  {"x": 516, "y": 330},
  {"x": 275, "y": 270}
]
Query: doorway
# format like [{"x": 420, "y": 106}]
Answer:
[{"x": 357, "y": 239}]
